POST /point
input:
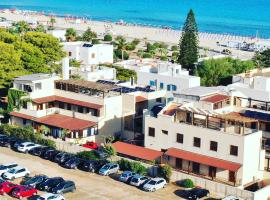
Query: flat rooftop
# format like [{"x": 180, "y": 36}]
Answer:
[
  {"x": 201, "y": 91},
  {"x": 34, "y": 77}
]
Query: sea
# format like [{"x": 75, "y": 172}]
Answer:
[{"x": 237, "y": 17}]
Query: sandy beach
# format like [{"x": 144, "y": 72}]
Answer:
[{"x": 207, "y": 40}]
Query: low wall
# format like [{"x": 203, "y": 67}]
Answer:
[{"x": 216, "y": 188}]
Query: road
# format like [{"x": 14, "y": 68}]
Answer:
[{"x": 89, "y": 186}]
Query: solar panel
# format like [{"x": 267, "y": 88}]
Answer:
[{"x": 257, "y": 115}]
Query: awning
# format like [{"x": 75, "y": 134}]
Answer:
[
  {"x": 59, "y": 121},
  {"x": 67, "y": 100},
  {"x": 137, "y": 151},
  {"x": 202, "y": 159},
  {"x": 216, "y": 98}
]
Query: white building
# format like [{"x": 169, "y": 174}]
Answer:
[
  {"x": 89, "y": 54},
  {"x": 161, "y": 75},
  {"x": 88, "y": 110},
  {"x": 59, "y": 34},
  {"x": 207, "y": 144}
]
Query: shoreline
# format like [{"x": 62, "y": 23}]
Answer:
[{"x": 144, "y": 33}]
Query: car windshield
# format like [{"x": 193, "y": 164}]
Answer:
[
  {"x": 135, "y": 180},
  {"x": 16, "y": 189},
  {"x": 106, "y": 167},
  {"x": 32, "y": 180},
  {"x": 124, "y": 175},
  {"x": 152, "y": 182},
  {"x": 12, "y": 171},
  {"x": 3, "y": 167}
]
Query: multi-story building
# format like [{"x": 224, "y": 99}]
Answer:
[
  {"x": 89, "y": 54},
  {"x": 161, "y": 75},
  {"x": 208, "y": 139},
  {"x": 88, "y": 110}
]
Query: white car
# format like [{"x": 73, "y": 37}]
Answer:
[
  {"x": 27, "y": 146},
  {"x": 154, "y": 184},
  {"x": 232, "y": 198},
  {"x": 49, "y": 196},
  {"x": 16, "y": 172},
  {"x": 4, "y": 168},
  {"x": 138, "y": 180},
  {"x": 108, "y": 169}
]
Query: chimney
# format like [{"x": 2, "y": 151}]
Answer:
[{"x": 65, "y": 68}]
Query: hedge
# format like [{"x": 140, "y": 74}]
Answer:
[
  {"x": 108, "y": 38},
  {"x": 26, "y": 133},
  {"x": 165, "y": 171},
  {"x": 91, "y": 155},
  {"x": 186, "y": 183},
  {"x": 126, "y": 165}
]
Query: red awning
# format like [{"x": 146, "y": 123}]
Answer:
[
  {"x": 137, "y": 151},
  {"x": 67, "y": 100},
  {"x": 202, "y": 159},
  {"x": 60, "y": 121},
  {"x": 140, "y": 99},
  {"x": 216, "y": 98}
]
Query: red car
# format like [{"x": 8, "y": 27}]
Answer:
[
  {"x": 91, "y": 145},
  {"x": 6, "y": 187},
  {"x": 23, "y": 191}
]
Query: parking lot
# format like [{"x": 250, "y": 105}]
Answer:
[{"x": 89, "y": 186}]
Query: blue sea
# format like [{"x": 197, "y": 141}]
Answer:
[{"x": 238, "y": 17}]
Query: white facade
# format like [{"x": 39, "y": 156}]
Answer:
[
  {"x": 89, "y": 54},
  {"x": 161, "y": 75},
  {"x": 250, "y": 159},
  {"x": 59, "y": 34}
]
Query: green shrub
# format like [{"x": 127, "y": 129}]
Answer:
[
  {"x": 118, "y": 54},
  {"x": 130, "y": 47},
  {"x": 147, "y": 55},
  {"x": 186, "y": 183},
  {"x": 132, "y": 166},
  {"x": 91, "y": 155},
  {"x": 164, "y": 58},
  {"x": 108, "y": 38},
  {"x": 165, "y": 171},
  {"x": 95, "y": 41},
  {"x": 26, "y": 133},
  {"x": 174, "y": 48}
]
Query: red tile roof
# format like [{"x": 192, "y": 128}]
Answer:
[
  {"x": 140, "y": 99},
  {"x": 216, "y": 98},
  {"x": 137, "y": 151},
  {"x": 60, "y": 121},
  {"x": 206, "y": 160},
  {"x": 67, "y": 100}
]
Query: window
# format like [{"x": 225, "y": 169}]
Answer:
[
  {"x": 70, "y": 53},
  {"x": 161, "y": 85},
  {"x": 213, "y": 146},
  {"x": 178, "y": 163},
  {"x": 69, "y": 106},
  {"x": 61, "y": 105},
  {"x": 158, "y": 100},
  {"x": 234, "y": 150},
  {"x": 152, "y": 83},
  {"x": 177, "y": 71},
  {"x": 197, "y": 142},
  {"x": 24, "y": 121},
  {"x": 80, "y": 109},
  {"x": 24, "y": 104},
  {"x": 168, "y": 87},
  {"x": 174, "y": 87},
  {"x": 179, "y": 138},
  {"x": 151, "y": 132},
  {"x": 38, "y": 86},
  {"x": 164, "y": 132},
  {"x": 196, "y": 168}
]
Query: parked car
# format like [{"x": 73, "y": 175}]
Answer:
[
  {"x": 126, "y": 176},
  {"x": 4, "y": 168},
  {"x": 232, "y": 198},
  {"x": 50, "y": 183},
  {"x": 62, "y": 157},
  {"x": 64, "y": 187},
  {"x": 90, "y": 145},
  {"x": 27, "y": 146},
  {"x": 50, "y": 154},
  {"x": 16, "y": 172},
  {"x": 6, "y": 187},
  {"x": 16, "y": 144},
  {"x": 49, "y": 196},
  {"x": 107, "y": 169},
  {"x": 138, "y": 180},
  {"x": 92, "y": 165},
  {"x": 7, "y": 141},
  {"x": 73, "y": 163},
  {"x": 154, "y": 184},
  {"x": 21, "y": 191},
  {"x": 194, "y": 194},
  {"x": 34, "y": 181},
  {"x": 38, "y": 151}
]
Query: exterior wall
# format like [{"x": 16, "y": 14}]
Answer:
[
  {"x": 59, "y": 34},
  {"x": 107, "y": 74},
  {"x": 181, "y": 82}
]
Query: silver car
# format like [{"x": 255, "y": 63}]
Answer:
[
  {"x": 126, "y": 176},
  {"x": 138, "y": 180},
  {"x": 110, "y": 168}
]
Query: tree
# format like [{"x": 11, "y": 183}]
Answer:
[
  {"x": 107, "y": 38},
  {"x": 40, "y": 28},
  {"x": 71, "y": 34},
  {"x": 110, "y": 151},
  {"x": 74, "y": 63},
  {"x": 121, "y": 44},
  {"x": 22, "y": 27},
  {"x": 89, "y": 35},
  {"x": 189, "y": 53},
  {"x": 262, "y": 59},
  {"x": 52, "y": 22},
  {"x": 10, "y": 64}
]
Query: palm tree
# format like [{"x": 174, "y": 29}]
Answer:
[
  {"x": 70, "y": 34},
  {"x": 161, "y": 52},
  {"x": 89, "y": 35},
  {"x": 52, "y": 21},
  {"x": 121, "y": 44}
]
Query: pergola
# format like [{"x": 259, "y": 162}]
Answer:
[{"x": 85, "y": 87}]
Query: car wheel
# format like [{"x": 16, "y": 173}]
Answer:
[
  {"x": 27, "y": 175},
  {"x": 154, "y": 189}
]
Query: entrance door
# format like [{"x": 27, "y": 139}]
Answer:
[
  {"x": 196, "y": 168},
  {"x": 212, "y": 171},
  {"x": 232, "y": 176},
  {"x": 178, "y": 163}
]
